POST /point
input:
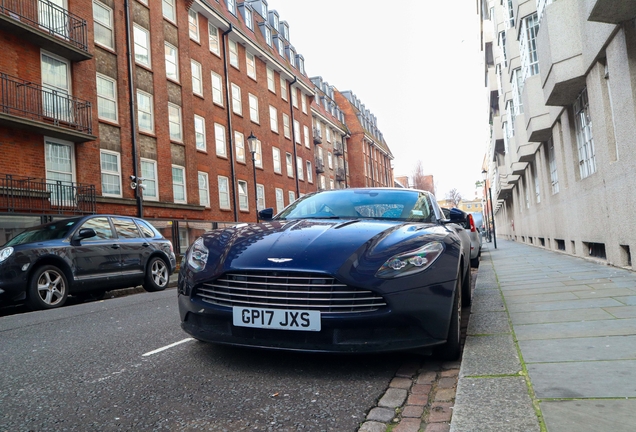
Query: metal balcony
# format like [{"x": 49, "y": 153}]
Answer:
[
  {"x": 340, "y": 174},
  {"x": 19, "y": 194},
  {"x": 25, "y": 105},
  {"x": 317, "y": 136},
  {"x": 46, "y": 25},
  {"x": 338, "y": 149},
  {"x": 320, "y": 166}
]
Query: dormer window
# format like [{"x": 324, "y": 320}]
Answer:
[
  {"x": 300, "y": 61},
  {"x": 260, "y": 7},
  {"x": 291, "y": 55},
  {"x": 278, "y": 41},
  {"x": 231, "y": 6},
  {"x": 248, "y": 16},
  {"x": 267, "y": 32},
  {"x": 283, "y": 28},
  {"x": 273, "y": 19}
]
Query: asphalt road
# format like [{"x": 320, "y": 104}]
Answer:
[{"x": 111, "y": 365}]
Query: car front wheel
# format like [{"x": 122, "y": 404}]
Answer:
[
  {"x": 48, "y": 288},
  {"x": 157, "y": 275},
  {"x": 451, "y": 349}
]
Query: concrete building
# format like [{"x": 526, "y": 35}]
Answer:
[
  {"x": 560, "y": 78},
  {"x": 141, "y": 107}
]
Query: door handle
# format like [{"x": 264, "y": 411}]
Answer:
[
  {"x": 146, "y": 244},
  {"x": 115, "y": 246}
]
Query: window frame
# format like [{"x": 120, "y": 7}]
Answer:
[
  {"x": 200, "y": 133},
  {"x": 176, "y": 185},
  {"x": 250, "y": 59},
  {"x": 205, "y": 189},
  {"x": 107, "y": 26},
  {"x": 139, "y": 58},
  {"x": 197, "y": 77},
  {"x": 253, "y": 103},
  {"x": 113, "y": 99},
  {"x": 273, "y": 118},
  {"x": 149, "y": 179},
  {"x": 151, "y": 114},
  {"x": 116, "y": 174},
  {"x": 289, "y": 163},
  {"x": 243, "y": 195},
  {"x": 213, "y": 39},
  {"x": 233, "y": 53},
  {"x": 239, "y": 138},
  {"x": 222, "y": 180},
  {"x": 217, "y": 92},
  {"x": 172, "y": 59},
  {"x": 172, "y": 5},
  {"x": 175, "y": 109},
  {"x": 219, "y": 129},
  {"x": 195, "y": 24},
  {"x": 276, "y": 162},
  {"x": 237, "y": 105}
]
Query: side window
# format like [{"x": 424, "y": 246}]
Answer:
[
  {"x": 146, "y": 229},
  {"x": 101, "y": 227},
  {"x": 125, "y": 228}
]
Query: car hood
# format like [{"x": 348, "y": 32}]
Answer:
[{"x": 346, "y": 248}]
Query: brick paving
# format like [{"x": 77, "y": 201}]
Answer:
[{"x": 421, "y": 396}]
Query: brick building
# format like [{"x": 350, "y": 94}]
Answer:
[{"x": 142, "y": 107}]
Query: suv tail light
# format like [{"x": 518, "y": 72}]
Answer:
[{"x": 471, "y": 221}]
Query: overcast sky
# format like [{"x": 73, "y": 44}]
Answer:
[{"x": 416, "y": 65}]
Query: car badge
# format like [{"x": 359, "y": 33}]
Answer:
[{"x": 279, "y": 260}]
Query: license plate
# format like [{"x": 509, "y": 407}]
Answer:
[{"x": 303, "y": 320}]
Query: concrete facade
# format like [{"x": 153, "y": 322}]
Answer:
[{"x": 562, "y": 178}]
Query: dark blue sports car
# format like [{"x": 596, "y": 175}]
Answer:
[{"x": 351, "y": 270}]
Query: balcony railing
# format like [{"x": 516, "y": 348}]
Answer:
[
  {"x": 32, "y": 195},
  {"x": 338, "y": 149},
  {"x": 317, "y": 136},
  {"x": 31, "y": 101},
  {"x": 49, "y": 18},
  {"x": 340, "y": 174},
  {"x": 320, "y": 166}
]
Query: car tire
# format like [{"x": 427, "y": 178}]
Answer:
[
  {"x": 48, "y": 288},
  {"x": 157, "y": 275},
  {"x": 467, "y": 292},
  {"x": 451, "y": 349},
  {"x": 474, "y": 262}
]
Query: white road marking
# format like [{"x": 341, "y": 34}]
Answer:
[{"x": 158, "y": 350}]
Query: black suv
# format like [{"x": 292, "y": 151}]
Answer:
[{"x": 86, "y": 255}]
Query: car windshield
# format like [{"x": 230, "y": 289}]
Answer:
[
  {"x": 51, "y": 231},
  {"x": 409, "y": 205}
]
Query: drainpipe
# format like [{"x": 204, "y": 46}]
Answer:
[
  {"x": 133, "y": 117},
  {"x": 230, "y": 132},
  {"x": 291, "y": 111}
]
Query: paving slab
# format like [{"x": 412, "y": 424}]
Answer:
[
  {"x": 563, "y": 316},
  {"x": 540, "y": 298},
  {"x": 590, "y": 415},
  {"x": 564, "y": 305},
  {"x": 494, "y": 405},
  {"x": 629, "y": 301},
  {"x": 622, "y": 311},
  {"x": 604, "y": 292},
  {"x": 490, "y": 355},
  {"x": 482, "y": 323},
  {"x": 579, "y": 349},
  {"x": 614, "y": 327},
  {"x": 592, "y": 379}
]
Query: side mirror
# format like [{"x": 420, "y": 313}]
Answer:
[
  {"x": 266, "y": 214},
  {"x": 85, "y": 233}
]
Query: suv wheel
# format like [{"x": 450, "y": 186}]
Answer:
[
  {"x": 157, "y": 275},
  {"x": 48, "y": 288}
]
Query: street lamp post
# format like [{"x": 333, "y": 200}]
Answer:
[
  {"x": 251, "y": 142},
  {"x": 492, "y": 212}
]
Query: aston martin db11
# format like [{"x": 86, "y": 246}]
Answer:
[{"x": 350, "y": 270}]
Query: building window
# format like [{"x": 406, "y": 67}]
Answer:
[
  {"x": 328, "y": 133},
  {"x": 197, "y": 78},
  {"x": 584, "y": 139},
  {"x": 239, "y": 140},
  {"x": 149, "y": 174},
  {"x": 204, "y": 189},
  {"x": 243, "y": 196},
  {"x": 276, "y": 159},
  {"x": 174, "y": 122},
  {"x": 258, "y": 154},
  {"x": 103, "y": 19},
  {"x": 323, "y": 182},
  {"x": 292, "y": 196},
  {"x": 502, "y": 46},
  {"x": 554, "y": 176},
  {"x": 271, "y": 83},
  {"x": 331, "y": 184},
  {"x": 169, "y": 9},
  {"x": 237, "y": 108},
  {"x": 273, "y": 119},
  {"x": 296, "y": 131},
  {"x": 537, "y": 190},
  {"x": 290, "y": 165},
  {"x": 286, "y": 129},
  {"x": 260, "y": 195},
  {"x": 142, "y": 45},
  {"x": 528, "y": 46},
  {"x": 145, "y": 119},
  {"x": 306, "y": 136},
  {"x": 253, "y": 101},
  {"x": 231, "y": 6},
  {"x": 294, "y": 96},
  {"x": 219, "y": 138},
  {"x": 217, "y": 89},
  {"x": 234, "y": 60},
  {"x": 517, "y": 89},
  {"x": 106, "y": 98},
  {"x": 199, "y": 133},
  {"x": 280, "y": 201},
  {"x": 310, "y": 175},
  {"x": 213, "y": 39},
  {"x": 178, "y": 184},
  {"x": 172, "y": 62},
  {"x": 224, "y": 192},
  {"x": 249, "y": 20},
  {"x": 299, "y": 167},
  {"x": 251, "y": 65},
  {"x": 283, "y": 88},
  {"x": 303, "y": 102},
  {"x": 193, "y": 25},
  {"x": 111, "y": 173},
  {"x": 330, "y": 160}
]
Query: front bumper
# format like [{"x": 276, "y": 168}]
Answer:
[{"x": 413, "y": 319}]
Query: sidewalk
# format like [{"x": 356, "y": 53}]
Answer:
[{"x": 551, "y": 345}]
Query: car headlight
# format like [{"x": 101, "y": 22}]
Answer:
[
  {"x": 198, "y": 255},
  {"x": 408, "y": 263},
  {"x": 5, "y": 253}
]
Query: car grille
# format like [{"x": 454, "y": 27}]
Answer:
[{"x": 288, "y": 290}]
